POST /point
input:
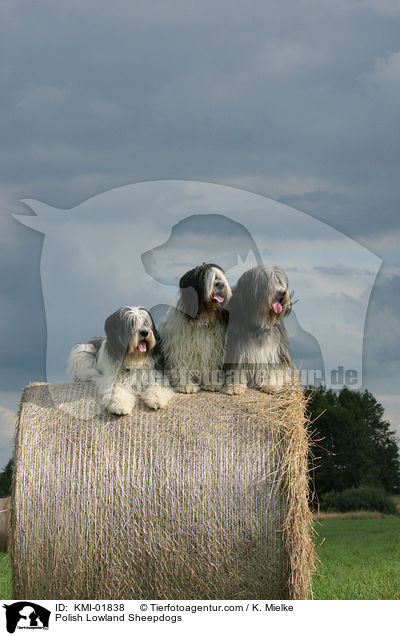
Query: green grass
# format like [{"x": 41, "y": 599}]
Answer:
[
  {"x": 5, "y": 576},
  {"x": 360, "y": 559}
]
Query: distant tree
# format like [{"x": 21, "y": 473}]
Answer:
[
  {"x": 5, "y": 480},
  {"x": 354, "y": 445}
]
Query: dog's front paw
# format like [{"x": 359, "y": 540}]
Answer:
[
  {"x": 157, "y": 397},
  {"x": 234, "y": 389},
  {"x": 117, "y": 407},
  {"x": 187, "y": 388},
  {"x": 121, "y": 403}
]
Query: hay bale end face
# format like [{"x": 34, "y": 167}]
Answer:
[
  {"x": 204, "y": 500},
  {"x": 5, "y": 504}
]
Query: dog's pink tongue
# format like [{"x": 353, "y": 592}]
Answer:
[
  {"x": 277, "y": 307},
  {"x": 142, "y": 346},
  {"x": 219, "y": 299}
]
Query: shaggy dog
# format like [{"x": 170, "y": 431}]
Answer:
[
  {"x": 257, "y": 352},
  {"x": 123, "y": 364},
  {"x": 193, "y": 333}
]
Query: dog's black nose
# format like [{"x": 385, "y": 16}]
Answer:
[{"x": 144, "y": 332}]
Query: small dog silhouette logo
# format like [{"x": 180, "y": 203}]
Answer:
[{"x": 26, "y": 615}]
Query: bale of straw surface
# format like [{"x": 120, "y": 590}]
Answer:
[
  {"x": 206, "y": 499},
  {"x": 5, "y": 504}
]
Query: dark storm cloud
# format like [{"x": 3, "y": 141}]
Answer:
[
  {"x": 205, "y": 91},
  {"x": 339, "y": 270}
]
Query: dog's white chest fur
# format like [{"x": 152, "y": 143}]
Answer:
[{"x": 192, "y": 344}]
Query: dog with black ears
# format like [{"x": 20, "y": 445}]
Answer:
[
  {"x": 193, "y": 332},
  {"x": 125, "y": 364},
  {"x": 257, "y": 351}
]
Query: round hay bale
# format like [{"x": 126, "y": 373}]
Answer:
[{"x": 206, "y": 499}]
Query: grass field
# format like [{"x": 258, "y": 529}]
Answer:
[
  {"x": 359, "y": 559},
  {"x": 5, "y": 576}
]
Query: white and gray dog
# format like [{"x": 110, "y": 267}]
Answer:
[
  {"x": 193, "y": 332},
  {"x": 257, "y": 352},
  {"x": 123, "y": 364}
]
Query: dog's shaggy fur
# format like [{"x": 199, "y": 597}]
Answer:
[
  {"x": 257, "y": 352},
  {"x": 123, "y": 364},
  {"x": 193, "y": 333}
]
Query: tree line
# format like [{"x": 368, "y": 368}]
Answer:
[{"x": 352, "y": 443}]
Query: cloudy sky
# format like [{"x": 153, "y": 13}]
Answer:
[{"x": 297, "y": 100}]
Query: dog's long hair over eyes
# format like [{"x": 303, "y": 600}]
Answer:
[
  {"x": 254, "y": 294},
  {"x": 121, "y": 326},
  {"x": 197, "y": 290}
]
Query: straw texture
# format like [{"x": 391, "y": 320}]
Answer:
[
  {"x": 4, "y": 522},
  {"x": 204, "y": 500}
]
